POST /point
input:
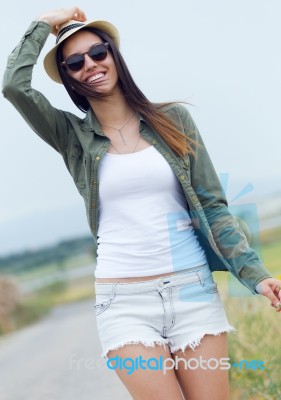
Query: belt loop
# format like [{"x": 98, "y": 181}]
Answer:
[
  {"x": 200, "y": 277},
  {"x": 113, "y": 290}
]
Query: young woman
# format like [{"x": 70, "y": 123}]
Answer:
[{"x": 155, "y": 207}]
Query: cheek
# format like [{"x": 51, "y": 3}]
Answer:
[
  {"x": 111, "y": 64},
  {"x": 76, "y": 75},
  {"x": 114, "y": 70}
]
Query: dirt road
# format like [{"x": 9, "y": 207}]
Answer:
[{"x": 58, "y": 359}]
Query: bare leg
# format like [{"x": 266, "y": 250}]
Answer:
[
  {"x": 204, "y": 384},
  {"x": 149, "y": 384}
]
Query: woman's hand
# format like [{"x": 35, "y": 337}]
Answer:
[
  {"x": 58, "y": 17},
  {"x": 271, "y": 288}
]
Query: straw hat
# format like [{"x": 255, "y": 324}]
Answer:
[{"x": 68, "y": 29}]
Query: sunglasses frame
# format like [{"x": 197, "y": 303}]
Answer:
[{"x": 64, "y": 63}]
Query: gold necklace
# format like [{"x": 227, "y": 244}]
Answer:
[{"x": 120, "y": 129}]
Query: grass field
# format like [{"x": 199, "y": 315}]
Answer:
[
  {"x": 258, "y": 336},
  {"x": 38, "y": 304}
]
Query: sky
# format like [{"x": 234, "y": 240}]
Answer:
[{"x": 222, "y": 57}]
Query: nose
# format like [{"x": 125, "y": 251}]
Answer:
[{"x": 89, "y": 63}]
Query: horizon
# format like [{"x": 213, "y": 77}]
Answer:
[{"x": 58, "y": 220}]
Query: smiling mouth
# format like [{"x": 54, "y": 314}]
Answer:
[{"x": 96, "y": 78}]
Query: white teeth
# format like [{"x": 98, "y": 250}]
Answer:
[{"x": 95, "y": 77}]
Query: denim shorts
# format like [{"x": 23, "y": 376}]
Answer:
[{"x": 175, "y": 310}]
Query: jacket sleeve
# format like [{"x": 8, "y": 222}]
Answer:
[
  {"x": 230, "y": 239},
  {"x": 48, "y": 122}
]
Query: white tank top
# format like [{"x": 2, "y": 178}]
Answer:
[{"x": 144, "y": 225}]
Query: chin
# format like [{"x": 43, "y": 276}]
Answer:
[{"x": 107, "y": 90}]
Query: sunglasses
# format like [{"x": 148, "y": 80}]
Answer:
[{"x": 97, "y": 52}]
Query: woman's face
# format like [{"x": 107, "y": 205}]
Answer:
[{"x": 102, "y": 75}]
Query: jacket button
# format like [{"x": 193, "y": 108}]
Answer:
[
  {"x": 97, "y": 157},
  {"x": 167, "y": 155},
  {"x": 182, "y": 177},
  {"x": 154, "y": 141}
]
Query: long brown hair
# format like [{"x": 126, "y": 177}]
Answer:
[{"x": 164, "y": 125}]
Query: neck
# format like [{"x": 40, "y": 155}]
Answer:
[{"x": 112, "y": 112}]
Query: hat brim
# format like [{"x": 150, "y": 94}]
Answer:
[{"x": 50, "y": 62}]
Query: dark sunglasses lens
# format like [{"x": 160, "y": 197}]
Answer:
[
  {"x": 98, "y": 52},
  {"x": 75, "y": 63}
]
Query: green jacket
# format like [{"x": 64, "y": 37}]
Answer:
[{"x": 82, "y": 145}]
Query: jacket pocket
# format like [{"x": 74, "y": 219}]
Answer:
[
  {"x": 78, "y": 168},
  {"x": 14, "y": 56}
]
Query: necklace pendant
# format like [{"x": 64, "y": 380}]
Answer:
[{"x": 119, "y": 130}]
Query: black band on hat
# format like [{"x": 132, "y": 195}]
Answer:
[{"x": 66, "y": 29}]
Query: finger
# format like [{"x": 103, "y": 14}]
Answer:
[
  {"x": 271, "y": 288},
  {"x": 277, "y": 293},
  {"x": 277, "y": 289},
  {"x": 55, "y": 29},
  {"x": 278, "y": 309},
  {"x": 78, "y": 14},
  {"x": 277, "y": 304},
  {"x": 270, "y": 294}
]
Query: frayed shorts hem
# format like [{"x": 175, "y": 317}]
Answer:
[
  {"x": 195, "y": 343},
  {"x": 146, "y": 343},
  {"x": 173, "y": 349}
]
